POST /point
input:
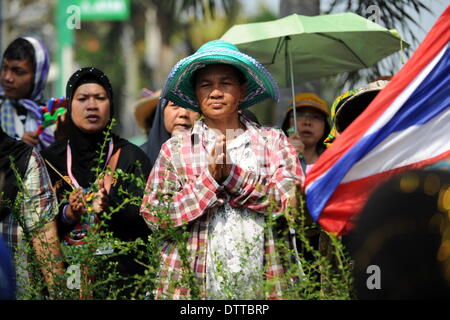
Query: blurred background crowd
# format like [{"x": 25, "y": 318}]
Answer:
[{"x": 137, "y": 42}]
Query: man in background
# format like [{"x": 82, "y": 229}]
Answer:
[{"x": 23, "y": 74}]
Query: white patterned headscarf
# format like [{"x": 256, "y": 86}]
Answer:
[{"x": 42, "y": 67}]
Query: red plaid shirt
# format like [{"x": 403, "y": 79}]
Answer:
[{"x": 181, "y": 175}]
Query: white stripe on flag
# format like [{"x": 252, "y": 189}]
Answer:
[
  {"x": 402, "y": 148},
  {"x": 392, "y": 109},
  {"x": 404, "y": 95}
]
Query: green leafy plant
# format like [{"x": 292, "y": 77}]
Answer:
[{"x": 310, "y": 272}]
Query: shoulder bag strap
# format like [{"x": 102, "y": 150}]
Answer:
[{"x": 109, "y": 178}]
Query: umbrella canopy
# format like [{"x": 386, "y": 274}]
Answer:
[{"x": 319, "y": 45}]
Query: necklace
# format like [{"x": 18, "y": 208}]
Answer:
[{"x": 69, "y": 161}]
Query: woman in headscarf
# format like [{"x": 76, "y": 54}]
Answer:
[
  {"x": 169, "y": 120},
  {"x": 90, "y": 110},
  {"x": 23, "y": 76}
]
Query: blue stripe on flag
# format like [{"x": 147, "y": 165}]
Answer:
[{"x": 428, "y": 100}]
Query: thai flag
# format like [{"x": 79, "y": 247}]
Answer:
[{"x": 407, "y": 126}]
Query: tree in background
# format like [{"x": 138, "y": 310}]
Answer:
[
  {"x": 140, "y": 52},
  {"x": 389, "y": 14}
]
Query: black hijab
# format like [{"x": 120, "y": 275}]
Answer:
[
  {"x": 157, "y": 135},
  {"x": 85, "y": 147},
  {"x": 21, "y": 155}
]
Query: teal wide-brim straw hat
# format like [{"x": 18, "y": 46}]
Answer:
[{"x": 179, "y": 87}]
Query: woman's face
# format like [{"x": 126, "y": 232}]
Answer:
[
  {"x": 90, "y": 108},
  {"x": 177, "y": 118},
  {"x": 311, "y": 125},
  {"x": 219, "y": 91}
]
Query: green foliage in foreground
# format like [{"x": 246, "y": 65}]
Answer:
[{"x": 316, "y": 272}]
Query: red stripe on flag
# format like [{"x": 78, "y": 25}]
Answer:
[
  {"x": 349, "y": 198},
  {"x": 436, "y": 39}
]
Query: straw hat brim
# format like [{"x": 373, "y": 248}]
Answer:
[{"x": 144, "y": 108}]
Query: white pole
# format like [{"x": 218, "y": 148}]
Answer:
[
  {"x": 291, "y": 71},
  {"x": 67, "y": 66},
  {"x": 292, "y": 231},
  {"x": 128, "y": 129}
]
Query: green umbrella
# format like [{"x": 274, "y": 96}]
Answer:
[{"x": 316, "y": 46}]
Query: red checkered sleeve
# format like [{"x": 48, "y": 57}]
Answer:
[
  {"x": 181, "y": 202},
  {"x": 267, "y": 192}
]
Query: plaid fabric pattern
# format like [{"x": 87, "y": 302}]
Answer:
[
  {"x": 180, "y": 184},
  {"x": 7, "y": 119},
  {"x": 39, "y": 205}
]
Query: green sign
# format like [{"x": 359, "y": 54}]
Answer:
[
  {"x": 69, "y": 14},
  {"x": 104, "y": 9}
]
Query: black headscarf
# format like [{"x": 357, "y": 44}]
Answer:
[
  {"x": 85, "y": 147},
  {"x": 21, "y": 155},
  {"x": 157, "y": 135},
  {"x": 126, "y": 224},
  {"x": 89, "y": 75}
]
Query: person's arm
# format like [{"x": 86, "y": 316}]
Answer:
[
  {"x": 30, "y": 138},
  {"x": 39, "y": 210},
  {"x": 296, "y": 142},
  {"x": 274, "y": 191},
  {"x": 47, "y": 248},
  {"x": 181, "y": 202},
  {"x": 40, "y": 141}
]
